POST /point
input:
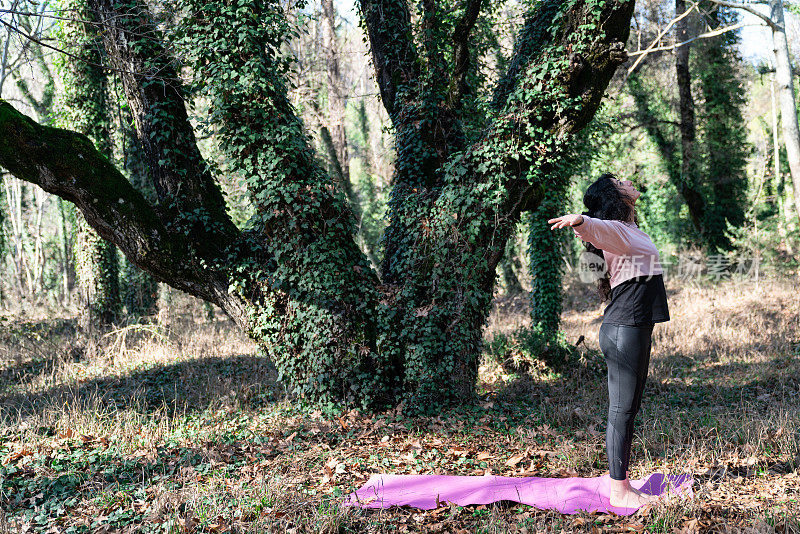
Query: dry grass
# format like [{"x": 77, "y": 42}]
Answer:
[{"x": 180, "y": 427}]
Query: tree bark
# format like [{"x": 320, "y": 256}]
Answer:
[
  {"x": 188, "y": 196},
  {"x": 786, "y": 98},
  {"x": 66, "y": 255}
]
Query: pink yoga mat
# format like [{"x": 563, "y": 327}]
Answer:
[{"x": 567, "y": 495}]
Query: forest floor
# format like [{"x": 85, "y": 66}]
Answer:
[{"x": 180, "y": 427}]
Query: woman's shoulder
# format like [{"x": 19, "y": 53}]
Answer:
[{"x": 615, "y": 222}]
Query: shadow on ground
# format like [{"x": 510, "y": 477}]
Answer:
[{"x": 191, "y": 385}]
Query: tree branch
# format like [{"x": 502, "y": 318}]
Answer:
[
  {"x": 660, "y": 35},
  {"x": 533, "y": 39},
  {"x": 461, "y": 57},
  {"x": 397, "y": 66},
  {"x": 772, "y": 24},
  {"x": 66, "y": 164},
  {"x": 713, "y": 33},
  {"x": 536, "y": 119},
  {"x": 182, "y": 180}
]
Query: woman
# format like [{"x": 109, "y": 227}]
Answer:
[{"x": 633, "y": 282}]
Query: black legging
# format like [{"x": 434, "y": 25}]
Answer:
[{"x": 627, "y": 352}]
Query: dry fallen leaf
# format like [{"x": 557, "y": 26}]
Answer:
[
  {"x": 514, "y": 460},
  {"x": 691, "y": 526}
]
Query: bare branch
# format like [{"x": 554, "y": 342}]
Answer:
[
  {"x": 706, "y": 35},
  {"x": 772, "y": 24},
  {"x": 43, "y": 44},
  {"x": 661, "y": 34}
]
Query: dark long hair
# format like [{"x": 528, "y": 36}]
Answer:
[{"x": 604, "y": 201}]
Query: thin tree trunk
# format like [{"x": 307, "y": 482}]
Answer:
[
  {"x": 776, "y": 151},
  {"x": 65, "y": 255},
  {"x": 336, "y": 102},
  {"x": 777, "y": 166},
  {"x": 783, "y": 78},
  {"x": 14, "y": 190},
  {"x": 689, "y": 167},
  {"x": 786, "y": 218},
  {"x": 667, "y": 147},
  {"x": 37, "y": 269}
]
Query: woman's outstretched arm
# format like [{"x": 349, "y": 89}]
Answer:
[{"x": 612, "y": 236}]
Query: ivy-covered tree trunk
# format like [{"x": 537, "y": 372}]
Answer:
[
  {"x": 86, "y": 111},
  {"x": 138, "y": 287},
  {"x": 724, "y": 133},
  {"x": 546, "y": 265},
  {"x": 508, "y": 263},
  {"x": 295, "y": 279},
  {"x": 98, "y": 277}
]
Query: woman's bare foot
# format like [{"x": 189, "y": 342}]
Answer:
[{"x": 623, "y": 495}]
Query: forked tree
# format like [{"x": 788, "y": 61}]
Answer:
[{"x": 339, "y": 332}]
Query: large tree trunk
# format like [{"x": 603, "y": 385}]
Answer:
[
  {"x": 295, "y": 280},
  {"x": 450, "y": 216},
  {"x": 783, "y": 78}
]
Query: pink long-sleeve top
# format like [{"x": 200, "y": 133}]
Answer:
[{"x": 629, "y": 252}]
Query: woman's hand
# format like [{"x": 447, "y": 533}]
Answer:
[{"x": 570, "y": 219}]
